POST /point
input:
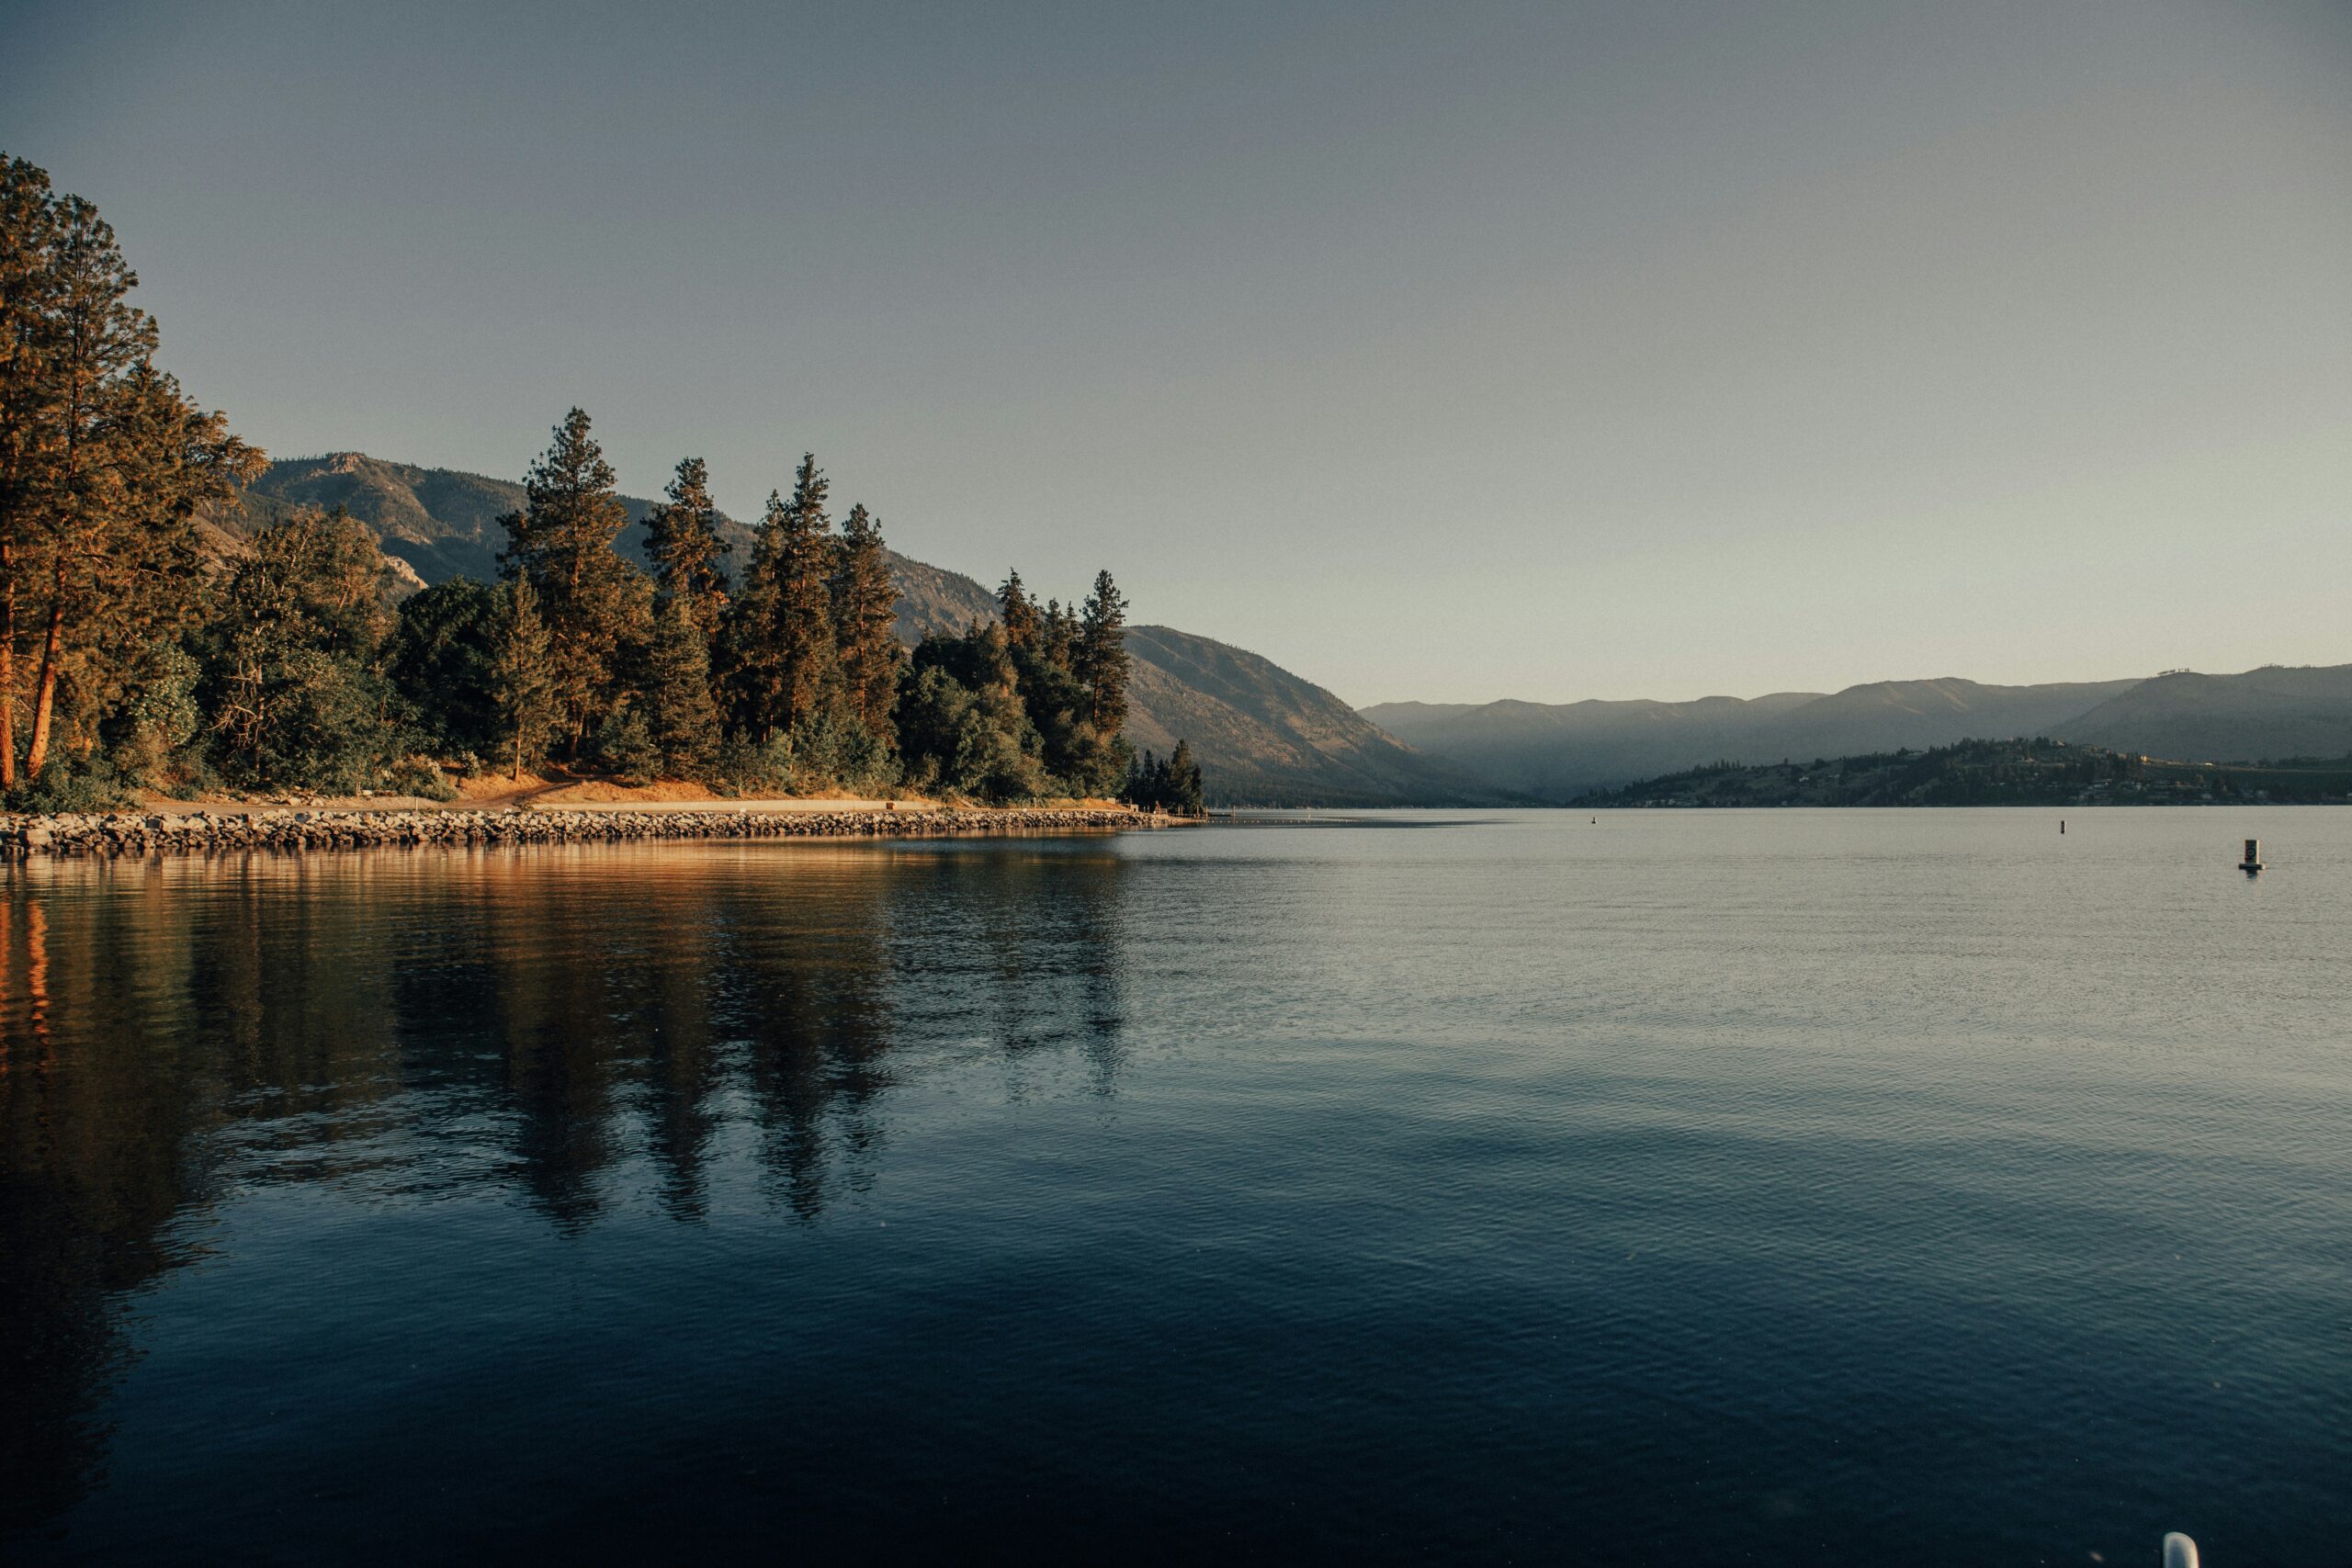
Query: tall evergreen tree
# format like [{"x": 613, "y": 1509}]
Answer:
[
  {"x": 1101, "y": 655},
  {"x": 1058, "y": 635},
  {"x": 27, "y": 225},
  {"x": 806, "y": 665},
  {"x": 866, "y": 610},
  {"x": 1184, "y": 789},
  {"x": 522, "y": 673},
  {"x": 1018, "y": 613},
  {"x": 595, "y": 604},
  {"x": 683, "y": 720},
  {"x": 105, "y": 467},
  {"x": 681, "y": 540},
  {"x": 781, "y": 658},
  {"x": 747, "y": 660}
]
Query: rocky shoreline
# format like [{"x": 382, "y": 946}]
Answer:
[{"x": 200, "y": 833}]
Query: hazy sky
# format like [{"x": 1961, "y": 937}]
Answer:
[{"x": 1448, "y": 352}]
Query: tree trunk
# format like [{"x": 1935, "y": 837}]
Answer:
[
  {"x": 7, "y": 667},
  {"x": 45, "y": 691}
]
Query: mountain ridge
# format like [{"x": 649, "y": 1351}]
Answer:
[{"x": 1558, "y": 751}]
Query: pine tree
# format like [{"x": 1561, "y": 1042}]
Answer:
[
  {"x": 1018, "y": 613},
  {"x": 522, "y": 674},
  {"x": 1146, "y": 778},
  {"x": 1058, "y": 635},
  {"x": 105, "y": 467},
  {"x": 807, "y": 668},
  {"x": 595, "y": 604},
  {"x": 684, "y": 721},
  {"x": 27, "y": 221},
  {"x": 681, "y": 540},
  {"x": 1101, "y": 655},
  {"x": 865, "y": 609},
  {"x": 1184, "y": 792},
  {"x": 749, "y": 662}
]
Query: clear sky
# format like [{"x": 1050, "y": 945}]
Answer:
[{"x": 1446, "y": 352}]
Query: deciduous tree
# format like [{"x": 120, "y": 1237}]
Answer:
[{"x": 292, "y": 678}]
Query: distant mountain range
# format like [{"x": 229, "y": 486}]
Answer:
[
  {"x": 1556, "y": 752},
  {"x": 1262, "y": 735}
]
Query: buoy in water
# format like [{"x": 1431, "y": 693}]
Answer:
[
  {"x": 2253, "y": 862},
  {"x": 2180, "y": 1550}
]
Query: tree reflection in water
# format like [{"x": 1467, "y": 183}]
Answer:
[{"x": 589, "y": 1029}]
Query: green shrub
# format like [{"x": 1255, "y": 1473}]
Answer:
[
  {"x": 73, "y": 785},
  {"x": 420, "y": 777},
  {"x": 625, "y": 748}
]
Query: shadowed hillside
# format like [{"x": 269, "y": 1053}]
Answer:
[
  {"x": 2274, "y": 712},
  {"x": 1267, "y": 737}
]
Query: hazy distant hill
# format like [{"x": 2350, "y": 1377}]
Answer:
[
  {"x": 1556, "y": 751},
  {"x": 1551, "y": 751},
  {"x": 1262, "y": 735},
  {"x": 2272, "y": 713}
]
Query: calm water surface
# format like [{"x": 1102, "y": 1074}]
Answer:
[{"x": 1779, "y": 1186}]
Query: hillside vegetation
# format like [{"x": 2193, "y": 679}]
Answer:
[
  {"x": 1259, "y": 734},
  {"x": 2040, "y": 772}
]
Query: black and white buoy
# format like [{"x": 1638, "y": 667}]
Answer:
[{"x": 2253, "y": 862}]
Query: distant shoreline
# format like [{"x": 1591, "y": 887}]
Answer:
[{"x": 119, "y": 834}]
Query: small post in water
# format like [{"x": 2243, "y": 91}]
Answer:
[{"x": 2253, "y": 862}]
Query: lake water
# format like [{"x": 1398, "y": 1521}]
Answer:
[{"x": 1685, "y": 1188}]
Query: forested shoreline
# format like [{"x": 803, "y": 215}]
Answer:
[
  {"x": 139, "y": 652},
  {"x": 2039, "y": 770}
]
